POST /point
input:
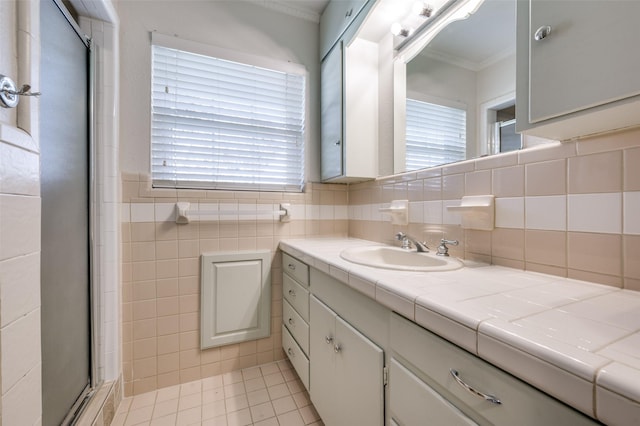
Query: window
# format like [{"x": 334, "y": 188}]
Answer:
[
  {"x": 435, "y": 135},
  {"x": 222, "y": 124}
]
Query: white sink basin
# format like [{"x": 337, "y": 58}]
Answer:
[{"x": 399, "y": 259}]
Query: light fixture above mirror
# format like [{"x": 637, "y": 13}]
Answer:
[{"x": 414, "y": 16}]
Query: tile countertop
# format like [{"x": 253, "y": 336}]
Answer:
[{"x": 575, "y": 340}]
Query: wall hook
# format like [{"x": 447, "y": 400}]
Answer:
[{"x": 9, "y": 93}]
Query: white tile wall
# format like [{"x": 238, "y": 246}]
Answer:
[
  {"x": 510, "y": 212},
  {"x": 433, "y": 212},
  {"x": 595, "y": 212},
  {"x": 20, "y": 349},
  {"x": 632, "y": 213},
  {"x": 142, "y": 212},
  {"x": 546, "y": 213},
  {"x": 448, "y": 217},
  {"x": 19, "y": 227},
  {"x": 21, "y": 405},
  {"x": 19, "y": 287}
]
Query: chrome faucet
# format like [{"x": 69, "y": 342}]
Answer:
[
  {"x": 443, "y": 250},
  {"x": 407, "y": 240}
]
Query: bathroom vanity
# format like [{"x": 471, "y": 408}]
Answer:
[{"x": 396, "y": 348}]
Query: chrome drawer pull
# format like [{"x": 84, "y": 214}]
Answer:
[
  {"x": 292, "y": 293},
  {"x": 291, "y": 321},
  {"x": 337, "y": 348},
  {"x": 292, "y": 266},
  {"x": 492, "y": 399},
  {"x": 328, "y": 340},
  {"x": 290, "y": 352}
]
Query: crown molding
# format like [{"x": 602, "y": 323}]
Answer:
[{"x": 290, "y": 8}]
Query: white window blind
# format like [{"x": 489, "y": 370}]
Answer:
[
  {"x": 225, "y": 125},
  {"x": 435, "y": 135}
]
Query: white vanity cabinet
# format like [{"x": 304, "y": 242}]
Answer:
[
  {"x": 412, "y": 401},
  {"x": 295, "y": 315},
  {"x": 423, "y": 364},
  {"x": 335, "y": 339},
  {"x": 346, "y": 373},
  {"x": 349, "y": 104},
  {"x": 578, "y": 69}
]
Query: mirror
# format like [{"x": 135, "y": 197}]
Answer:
[{"x": 455, "y": 89}]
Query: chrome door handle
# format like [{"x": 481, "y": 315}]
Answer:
[
  {"x": 492, "y": 399},
  {"x": 292, "y": 293},
  {"x": 292, "y": 266},
  {"x": 290, "y": 352},
  {"x": 291, "y": 322}
]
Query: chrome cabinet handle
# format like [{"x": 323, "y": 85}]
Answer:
[
  {"x": 291, "y": 322},
  {"x": 337, "y": 143},
  {"x": 328, "y": 339},
  {"x": 292, "y": 293},
  {"x": 542, "y": 32},
  {"x": 290, "y": 352},
  {"x": 337, "y": 348},
  {"x": 292, "y": 266},
  {"x": 349, "y": 13},
  {"x": 492, "y": 399}
]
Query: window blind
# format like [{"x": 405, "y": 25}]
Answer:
[
  {"x": 435, "y": 135},
  {"x": 225, "y": 125}
]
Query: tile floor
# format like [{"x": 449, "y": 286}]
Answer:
[{"x": 267, "y": 395}]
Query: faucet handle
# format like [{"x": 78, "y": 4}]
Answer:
[
  {"x": 401, "y": 236},
  {"x": 443, "y": 250}
]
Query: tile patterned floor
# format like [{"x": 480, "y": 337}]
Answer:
[{"x": 267, "y": 395}]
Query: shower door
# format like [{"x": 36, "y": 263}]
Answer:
[{"x": 65, "y": 260}]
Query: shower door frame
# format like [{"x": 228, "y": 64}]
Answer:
[{"x": 93, "y": 277}]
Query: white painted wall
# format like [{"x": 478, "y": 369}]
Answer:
[
  {"x": 497, "y": 80},
  {"x": 241, "y": 26}
]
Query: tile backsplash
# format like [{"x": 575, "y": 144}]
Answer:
[
  {"x": 161, "y": 268},
  {"x": 570, "y": 209}
]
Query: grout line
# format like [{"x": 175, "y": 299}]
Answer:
[{"x": 291, "y": 412}]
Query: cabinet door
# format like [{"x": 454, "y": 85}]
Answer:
[
  {"x": 336, "y": 17},
  {"x": 322, "y": 389},
  {"x": 413, "y": 402},
  {"x": 359, "y": 389},
  {"x": 331, "y": 104},
  {"x": 589, "y": 58}
]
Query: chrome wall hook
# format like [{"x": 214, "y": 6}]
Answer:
[{"x": 9, "y": 93}]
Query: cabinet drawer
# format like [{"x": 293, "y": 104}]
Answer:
[
  {"x": 298, "y": 359},
  {"x": 295, "y": 269},
  {"x": 432, "y": 359},
  {"x": 298, "y": 327},
  {"x": 296, "y": 295},
  {"x": 413, "y": 401}
]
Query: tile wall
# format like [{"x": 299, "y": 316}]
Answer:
[
  {"x": 570, "y": 209},
  {"x": 20, "y": 360},
  {"x": 161, "y": 274}
]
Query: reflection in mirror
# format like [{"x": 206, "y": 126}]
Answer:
[{"x": 460, "y": 91}]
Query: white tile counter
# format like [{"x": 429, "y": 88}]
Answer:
[{"x": 575, "y": 340}]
